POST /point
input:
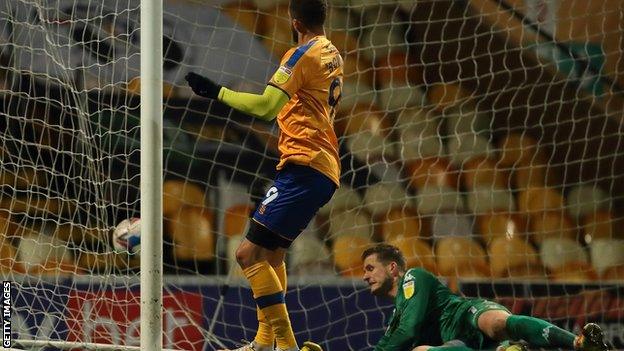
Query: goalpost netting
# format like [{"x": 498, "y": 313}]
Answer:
[{"x": 482, "y": 137}]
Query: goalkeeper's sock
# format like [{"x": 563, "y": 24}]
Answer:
[
  {"x": 538, "y": 332},
  {"x": 265, "y": 335},
  {"x": 269, "y": 297}
]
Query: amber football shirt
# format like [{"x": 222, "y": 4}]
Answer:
[{"x": 311, "y": 75}]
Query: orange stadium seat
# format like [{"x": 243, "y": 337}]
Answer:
[
  {"x": 551, "y": 225},
  {"x": 514, "y": 257},
  {"x": 343, "y": 41},
  {"x": 178, "y": 193},
  {"x": 399, "y": 222},
  {"x": 537, "y": 174},
  {"x": 277, "y": 30},
  {"x": 482, "y": 172},
  {"x": 80, "y": 234},
  {"x": 461, "y": 257},
  {"x": 246, "y": 14},
  {"x": 381, "y": 198},
  {"x": 347, "y": 251},
  {"x": 600, "y": 225},
  {"x": 613, "y": 273},
  {"x": 236, "y": 218},
  {"x": 417, "y": 252},
  {"x": 431, "y": 172},
  {"x": 517, "y": 149},
  {"x": 351, "y": 223},
  {"x": 606, "y": 253},
  {"x": 192, "y": 235},
  {"x": 501, "y": 225},
  {"x": 442, "y": 96},
  {"x": 397, "y": 79},
  {"x": 535, "y": 200}
]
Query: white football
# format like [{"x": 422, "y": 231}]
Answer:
[{"x": 127, "y": 236}]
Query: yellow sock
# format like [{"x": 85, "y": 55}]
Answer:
[
  {"x": 269, "y": 297},
  {"x": 265, "y": 335}
]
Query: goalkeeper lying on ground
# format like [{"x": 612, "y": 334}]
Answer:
[{"x": 428, "y": 313}]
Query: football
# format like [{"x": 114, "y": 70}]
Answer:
[{"x": 127, "y": 236}]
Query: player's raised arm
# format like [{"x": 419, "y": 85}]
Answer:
[{"x": 264, "y": 106}]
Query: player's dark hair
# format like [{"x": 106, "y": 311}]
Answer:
[
  {"x": 311, "y": 13},
  {"x": 386, "y": 254}
]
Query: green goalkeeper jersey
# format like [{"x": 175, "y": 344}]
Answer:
[{"x": 426, "y": 313}]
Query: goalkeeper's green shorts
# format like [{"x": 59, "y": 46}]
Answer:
[{"x": 459, "y": 321}]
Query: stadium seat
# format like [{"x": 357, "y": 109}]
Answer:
[
  {"x": 451, "y": 224},
  {"x": 343, "y": 41},
  {"x": 461, "y": 257},
  {"x": 485, "y": 200},
  {"x": 419, "y": 134},
  {"x": 345, "y": 198},
  {"x": 537, "y": 174},
  {"x": 465, "y": 147},
  {"x": 357, "y": 86},
  {"x": 482, "y": 172},
  {"x": 584, "y": 200},
  {"x": 615, "y": 273},
  {"x": 178, "y": 193},
  {"x": 573, "y": 272},
  {"x": 8, "y": 258},
  {"x": 364, "y": 118},
  {"x": 397, "y": 79},
  {"x": 442, "y": 96},
  {"x": 465, "y": 120},
  {"x": 516, "y": 150},
  {"x": 431, "y": 172},
  {"x": 600, "y": 225},
  {"x": 41, "y": 254},
  {"x": 277, "y": 30},
  {"x": 501, "y": 225},
  {"x": 347, "y": 252},
  {"x": 606, "y": 253},
  {"x": 191, "y": 233},
  {"x": 551, "y": 225},
  {"x": 309, "y": 256},
  {"x": 80, "y": 235},
  {"x": 535, "y": 200},
  {"x": 233, "y": 267},
  {"x": 417, "y": 252},
  {"x": 380, "y": 198},
  {"x": 246, "y": 14},
  {"x": 400, "y": 222},
  {"x": 380, "y": 38},
  {"x": 556, "y": 253},
  {"x": 236, "y": 218},
  {"x": 350, "y": 223},
  {"x": 370, "y": 148},
  {"x": 514, "y": 257},
  {"x": 433, "y": 200}
]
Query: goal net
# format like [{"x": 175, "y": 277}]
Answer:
[{"x": 481, "y": 137}]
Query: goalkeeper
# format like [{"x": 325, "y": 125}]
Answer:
[
  {"x": 428, "y": 313},
  {"x": 303, "y": 94}
]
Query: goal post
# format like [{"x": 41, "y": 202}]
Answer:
[{"x": 151, "y": 174}]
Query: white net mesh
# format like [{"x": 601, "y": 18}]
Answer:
[{"x": 481, "y": 137}]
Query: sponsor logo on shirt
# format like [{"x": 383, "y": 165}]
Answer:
[
  {"x": 282, "y": 75},
  {"x": 408, "y": 289}
]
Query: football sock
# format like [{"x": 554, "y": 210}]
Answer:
[
  {"x": 538, "y": 332},
  {"x": 269, "y": 296},
  {"x": 265, "y": 335}
]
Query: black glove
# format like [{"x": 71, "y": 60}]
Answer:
[{"x": 202, "y": 86}]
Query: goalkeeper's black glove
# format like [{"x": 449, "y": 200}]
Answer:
[{"x": 202, "y": 86}]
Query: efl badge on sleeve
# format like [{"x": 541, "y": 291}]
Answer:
[
  {"x": 282, "y": 75},
  {"x": 408, "y": 289}
]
